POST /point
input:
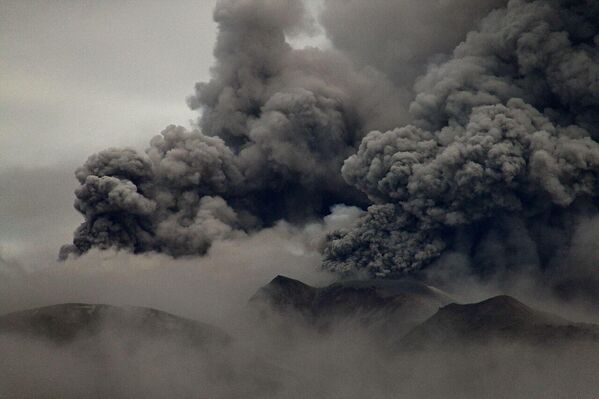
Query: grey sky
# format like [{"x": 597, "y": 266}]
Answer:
[{"x": 78, "y": 76}]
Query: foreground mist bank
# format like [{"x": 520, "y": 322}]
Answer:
[{"x": 378, "y": 339}]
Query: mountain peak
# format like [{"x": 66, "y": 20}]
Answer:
[
  {"x": 281, "y": 280},
  {"x": 393, "y": 302},
  {"x": 499, "y": 317}
]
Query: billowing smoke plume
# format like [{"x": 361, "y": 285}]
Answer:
[
  {"x": 502, "y": 144},
  {"x": 276, "y": 126},
  {"x": 493, "y": 156}
]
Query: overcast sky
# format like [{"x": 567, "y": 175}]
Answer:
[{"x": 77, "y": 77}]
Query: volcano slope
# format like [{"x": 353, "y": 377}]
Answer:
[
  {"x": 381, "y": 305},
  {"x": 501, "y": 318},
  {"x": 65, "y": 323}
]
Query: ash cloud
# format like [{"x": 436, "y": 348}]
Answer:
[
  {"x": 401, "y": 38},
  {"x": 276, "y": 125},
  {"x": 489, "y": 155},
  {"x": 501, "y": 151}
]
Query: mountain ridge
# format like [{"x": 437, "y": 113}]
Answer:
[
  {"x": 502, "y": 318},
  {"x": 385, "y": 305},
  {"x": 66, "y": 322}
]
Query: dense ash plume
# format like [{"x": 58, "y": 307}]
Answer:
[
  {"x": 401, "y": 38},
  {"x": 502, "y": 144},
  {"x": 276, "y": 126},
  {"x": 496, "y": 160}
]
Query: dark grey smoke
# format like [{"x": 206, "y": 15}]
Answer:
[
  {"x": 276, "y": 125},
  {"x": 498, "y": 164},
  {"x": 501, "y": 159},
  {"x": 401, "y": 38}
]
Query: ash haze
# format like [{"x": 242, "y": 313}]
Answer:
[{"x": 180, "y": 155}]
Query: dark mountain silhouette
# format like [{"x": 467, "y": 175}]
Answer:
[
  {"x": 499, "y": 318},
  {"x": 66, "y": 322},
  {"x": 396, "y": 304}
]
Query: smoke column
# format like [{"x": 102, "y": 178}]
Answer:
[
  {"x": 501, "y": 157},
  {"x": 276, "y": 126},
  {"x": 470, "y": 132}
]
